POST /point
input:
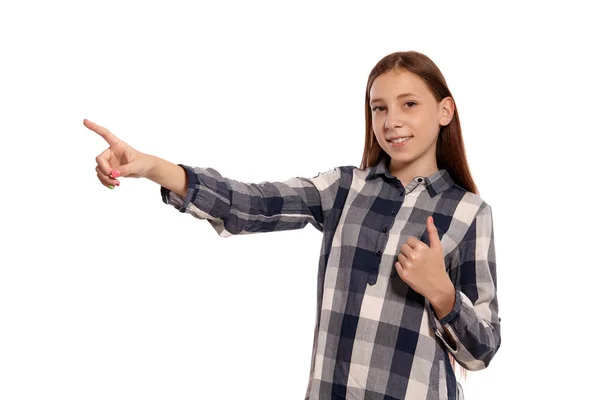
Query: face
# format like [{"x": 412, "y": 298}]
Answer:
[{"x": 407, "y": 119}]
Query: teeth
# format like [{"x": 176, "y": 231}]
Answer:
[{"x": 400, "y": 140}]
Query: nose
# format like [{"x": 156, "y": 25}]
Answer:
[{"x": 394, "y": 119}]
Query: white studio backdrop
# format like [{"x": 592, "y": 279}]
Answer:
[{"x": 114, "y": 295}]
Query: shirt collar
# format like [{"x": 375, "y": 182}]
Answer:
[{"x": 436, "y": 183}]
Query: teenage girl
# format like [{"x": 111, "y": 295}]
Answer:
[{"x": 407, "y": 274}]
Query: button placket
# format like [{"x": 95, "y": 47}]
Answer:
[{"x": 372, "y": 278}]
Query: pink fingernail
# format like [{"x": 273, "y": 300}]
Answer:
[
  {"x": 117, "y": 183},
  {"x": 116, "y": 174}
]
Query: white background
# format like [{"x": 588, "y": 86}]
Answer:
[{"x": 114, "y": 295}]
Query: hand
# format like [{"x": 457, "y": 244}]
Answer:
[
  {"x": 422, "y": 267},
  {"x": 119, "y": 159}
]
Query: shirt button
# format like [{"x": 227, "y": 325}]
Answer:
[
  {"x": 385, "y": 229},
  {"x": 378, "y": 253},
  {"x": 393, "y": 212}
]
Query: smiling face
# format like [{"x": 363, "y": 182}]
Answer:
[{"x": 406, "y": 120}]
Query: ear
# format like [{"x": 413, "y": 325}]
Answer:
[{"x": 446, "y": 111}]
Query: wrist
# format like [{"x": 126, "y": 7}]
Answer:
[
  {"x": 443, "y": 299},
  {"x": 167, "y": 174},
  {"x": 150, "y": 161}
]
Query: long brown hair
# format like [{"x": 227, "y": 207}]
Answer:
[{"x": 450, "y": 149}]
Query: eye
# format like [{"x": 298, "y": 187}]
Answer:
[
  {"x": 410, "y": 102},
  {"x": 377, "y": 108}
]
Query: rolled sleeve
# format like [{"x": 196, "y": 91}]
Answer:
[
  {"x": 172, "y": 198},
  {"x": 234, "y": 207}
]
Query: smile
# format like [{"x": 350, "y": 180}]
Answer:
[{"x": 398, "y": 142}]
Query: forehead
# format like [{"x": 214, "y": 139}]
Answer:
[{"x": 398, "y": 81}]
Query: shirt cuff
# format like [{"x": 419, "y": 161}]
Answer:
[
  {"x": 452, "y": 315},
  {"x": 438, "y": 325},
  {"x": 192, "y": 191}
]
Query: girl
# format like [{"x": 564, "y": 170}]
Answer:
[{"x": 407, "y": 273}]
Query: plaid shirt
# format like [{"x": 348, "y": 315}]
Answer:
[{"x": 375, "y": 337}]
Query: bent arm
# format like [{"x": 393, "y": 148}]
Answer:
[{"x": 471, "y": 331}]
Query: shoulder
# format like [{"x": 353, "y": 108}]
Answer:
[
  {"x": 468, "y": 206},
  {"x": 335, "y": 173}
]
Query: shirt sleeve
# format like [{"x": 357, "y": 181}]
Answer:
[
  {"x": 473, "y": 324},
  {"x": 235, "y": 208}
]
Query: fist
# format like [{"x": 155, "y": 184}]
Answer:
[{"x": 421, "y": 266}]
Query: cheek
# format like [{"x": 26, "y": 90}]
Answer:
[
  {"x": 426, "y": 123},
  {"x": 377, "y": 127},
  {"x": 378, "y": 123}
]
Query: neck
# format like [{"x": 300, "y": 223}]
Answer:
[{"x": 407, "y": 172}]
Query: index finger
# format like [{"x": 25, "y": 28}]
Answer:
[{"x": 102, "y": 131}]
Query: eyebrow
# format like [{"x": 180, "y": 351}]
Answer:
[{"x": 397, "y": 97}]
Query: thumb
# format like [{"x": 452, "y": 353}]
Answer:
[
  {"x": 135, "y": 164},
  {"x": 125, "y": 170},
  {"x": 434, "y": 238}
]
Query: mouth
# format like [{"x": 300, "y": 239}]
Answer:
[{"x": 399, "y": 139}]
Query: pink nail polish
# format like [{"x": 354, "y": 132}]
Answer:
[{"x": 116, "y": 174}]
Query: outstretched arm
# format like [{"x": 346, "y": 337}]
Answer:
[
  {"x": 230, "y": 206},
  {"x": 233, "y": 207}
]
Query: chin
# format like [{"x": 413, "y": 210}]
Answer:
[{"x": 401, "y": 160}]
